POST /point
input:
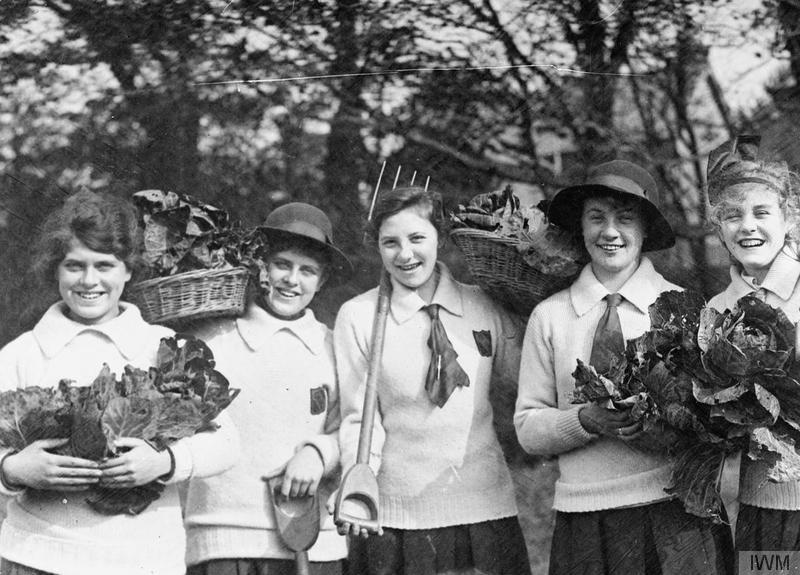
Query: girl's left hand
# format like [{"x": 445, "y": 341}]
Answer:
[{"x": 140, "y": 465}]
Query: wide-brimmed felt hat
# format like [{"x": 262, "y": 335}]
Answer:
[
  {"x": 305, "y": 224},
  {"x": 616, "y": 178}
]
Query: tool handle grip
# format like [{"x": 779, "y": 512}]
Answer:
[
  {"x": 374, "y": 367},
  {"x": 301, "y": 563}
]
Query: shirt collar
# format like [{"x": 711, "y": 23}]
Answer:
[
  {"x": 55, "y": 330},
  {"x": 640, "y": 290},
  {"x": 256, "y": 326},
  {"x": 406, "y": 302},
  {"x": 780, "y": 279}
]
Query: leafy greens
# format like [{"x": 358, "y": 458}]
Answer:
[{"x": 180, "y": 396}]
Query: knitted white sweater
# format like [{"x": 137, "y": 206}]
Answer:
[
  {"x": 782, "y": 287},
  {"x": 438, "y": 466},
  {"x": 595, "y": 472},
  {"x": 58, "y": 532},
  {"x": 289, "y": 399}
]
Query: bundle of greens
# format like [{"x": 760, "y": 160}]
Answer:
[
  {"x": 183, "y": 234},
  {"x": 547, "y": 248},
  {"x": 705, "y": 385},
  {"x": 177, "y": 398}
]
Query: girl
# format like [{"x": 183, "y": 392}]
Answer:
[
  {"x": 445, "y": 492},
  {"x": 89, "y": 247},
  {"x": 755, "y": 212},
  {"x": 612, "y": 514},
  {"x": 282, "y": 358}
]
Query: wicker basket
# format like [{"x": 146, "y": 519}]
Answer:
[
  {"x": 499, "y": 268},
  {"x": 192, "y": 295}
]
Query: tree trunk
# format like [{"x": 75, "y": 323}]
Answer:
[
  {"x": 346, "y": 154},
  {"x": 169, "y": 158}
]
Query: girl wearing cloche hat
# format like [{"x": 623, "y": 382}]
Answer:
[
  {"x": 282, "y": 358},
  {"x": 754, "y": 208},
  {"x": 612, "y": 513}
]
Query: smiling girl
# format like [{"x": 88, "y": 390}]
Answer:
[
  {"x": 445, "y": 492},
  {"x": 613, "y": 515},
  {"x": 89, "y": 248},
  {"x": 755, "y": 211},
  {"x": 281, "y": 356}
]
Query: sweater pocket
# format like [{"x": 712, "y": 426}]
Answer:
[
  {"x": 483, "y": 340},
  {"x": 319, "y": 400}
]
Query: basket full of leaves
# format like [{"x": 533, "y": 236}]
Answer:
[
  {"x": 178, "y": 397},
  {"x": 194, "y": 254},
  {"x": 512, "y": 252}
]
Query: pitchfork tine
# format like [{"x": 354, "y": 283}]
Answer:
[
  {"x": 375, "y": 193},
  {"x": 397, "y": 177}
]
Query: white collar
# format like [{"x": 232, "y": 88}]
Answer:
[
  {"x": 640, "y": 290},
  {"x": 55, "y": 330},
  {"x": 780, "y": 279},
  {"x": 256, "y": 323},
  {"x": 406, "y": 302}
]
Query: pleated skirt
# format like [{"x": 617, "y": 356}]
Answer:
[
  {"x": 656, "y": 539},
  {"x": 491, "y": 547},
  {"x": 262, "y": 567},
  {"x": 759, "y": 529}
]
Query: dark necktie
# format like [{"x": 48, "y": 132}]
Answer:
[
  {"x": 608, "y": 345},
  {"x": 444, "y": 373}
]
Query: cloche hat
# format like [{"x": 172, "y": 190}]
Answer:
[
  {"x": 305, "y": 224},
  {"x": 617, "y": 178}
]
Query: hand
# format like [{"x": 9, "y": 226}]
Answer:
[
  {"x": 609, "y": 422},
  {"x": 346, "y": 527},
  {"x": 138, "y": 465},
  {"x": 303, "y": 473},
  {"x": 36, "y": 467}
]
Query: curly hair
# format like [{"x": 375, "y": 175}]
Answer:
[
  {"x": 782, "y": 182},
  {"x": 429, "y": 205},
  {"x": 101, "y": 222}
]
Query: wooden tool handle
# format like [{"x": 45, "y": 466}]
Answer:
[
  {"x": 301, "y": 563},
  {"x": 374, "y": 367}
]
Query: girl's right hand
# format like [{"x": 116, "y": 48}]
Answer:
[
  {"x": 37, "y": 468},
  {"x": 609, "y": 422}
]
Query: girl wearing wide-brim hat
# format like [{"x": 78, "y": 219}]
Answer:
[
  {"x": 755, "y": 210},
  {"x": 90, "y": 248},
  {"x": 612, "y": 513},
  {"x": 446, "y": 495},
  {"x": 281, "y": 357}
]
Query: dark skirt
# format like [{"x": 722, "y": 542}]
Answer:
[
  {"x": 660, "y": 538},
  {"x": 760, "y": 529},
  {"x": 491, "y": 547},
  {"x": 261, "y": 567},
  {"x": 9, "y": 568}
]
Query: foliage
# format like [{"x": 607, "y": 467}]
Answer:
[
  {"x": 705, "y": 384},
  {"x": 177, "y": 398},
  {"x": 181, "y": 233},
  {"x": 546, "y": 247},
  {"x": 245, "y": 105}
]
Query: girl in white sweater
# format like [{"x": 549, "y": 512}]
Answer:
[
  {"x": 89, "y": 247},
  {"x": 281, "y": 357},
  {"x": 446, "y": 495},
  {"x": 755, "y": 211}
]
